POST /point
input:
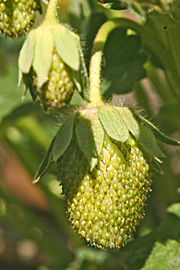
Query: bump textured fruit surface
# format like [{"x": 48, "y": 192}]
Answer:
[
  {"x": 59, "y": 87},
  {"x": 16, "y": 17},
  {"x": 105, "y": 206}
]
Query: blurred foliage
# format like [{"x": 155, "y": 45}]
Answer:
[{"x": 26, "y": 131}]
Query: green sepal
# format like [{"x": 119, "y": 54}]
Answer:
[
  {"x": 162, "y": 137},
  {"x": 98, "y": 132},
  {"x": 28, "y": 81},
  {"x": 86, "y": 140},
  {"x": 63, "y": 137},
  {"x": 27, "y": 53},
  {"x": 149, "y": 142},
  {"x": 46, "y": 163},
  {"x": 66, "y": 45},
  {"x": 43, "y": 55},
  {"x": 113, "y": 123},
  {"x": 84, "y": 74},
  {"x": 130, "y": 120}
]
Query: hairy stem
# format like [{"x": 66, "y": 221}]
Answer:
[
  {"x": 51, "y": 10},
  {"x": 96, "y": 57}
]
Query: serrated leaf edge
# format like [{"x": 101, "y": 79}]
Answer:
[{"x": 158, "y": 134}]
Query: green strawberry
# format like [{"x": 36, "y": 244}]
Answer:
[
  {"x": 59, "y": 87},
  {"x": 103, "y": 156},
  {"x": 106, "y": 204},
  {"x": 49, "y": 63},
  {"x": 16, "y": 17}
]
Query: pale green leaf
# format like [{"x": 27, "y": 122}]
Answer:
[
  {"x": 63, "y": 137},
  {"x": 66, "y": 43},
  {"x": 130, "y": 120},
  {"x": 27, "y": 53},
  {"x": 113, "y": 123},
  {"x": 85, "y": 139},
  {"x": 149, "y": 142},
  {"x": 158, "y": 258},
  {"x": 43, "y": 55}
]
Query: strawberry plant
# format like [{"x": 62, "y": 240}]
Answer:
[{"x": 101, "y": 96}]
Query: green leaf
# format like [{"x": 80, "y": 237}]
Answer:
[
  {"x": 27, "y": 53},
  {"x": 160, "y": 34},
  {"x": 130, "y": 120},
  {"x": 124, "y": 62},
  {"x": 158, "y": 256},
  {"x": 46, "y": 163},
  {"x": 113, "y": 123},
  {"x": 149, "y": 142},
  {"x": 85, "y": 138},
  {"x": 66, "y": 43},
  {"x": 134, "y": 255},
  {"x": 157, "y": 132},
  {"x": 63, "y": 137},
  {"x": 43, "y": 55}
]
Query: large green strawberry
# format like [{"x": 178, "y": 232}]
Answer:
[
  {"x": 105, "y": 205},
  {"x": 16, "y": 17},
  {"x": 104, "y": 155}
]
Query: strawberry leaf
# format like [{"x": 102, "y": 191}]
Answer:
[
  {"x": 46, "y": 163},
  {"x": 130, "y": 120},
  {"x": 149, "y": 142},
  {"x": 157, "y": 132},
  {"x": 63, "y": 137},
  {"x": 123, "y": 63},
  {"x": 113, "y": 123},
  {"x": 159, "y": 256}
]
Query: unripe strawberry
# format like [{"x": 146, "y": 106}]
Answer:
[
  {"x": 59, "y": 87},
  {"x": 105, "y": 205},
  {"x": 16, "y": 17},
  {"x": 103, "y": 156},
  {"x": 49, "y": 63}
]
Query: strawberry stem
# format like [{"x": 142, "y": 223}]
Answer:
[
  {"x": 51, "y": 11},
  {"x": 96, "y": 56},
  {"x": 95, "y": 64}
]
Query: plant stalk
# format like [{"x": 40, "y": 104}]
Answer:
[
  {"x": 96, "y": 57},
  {"x": 51, "y": 11}
]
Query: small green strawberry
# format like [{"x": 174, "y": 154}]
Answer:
[
  {"x": 17, "y": 17},
  {"x": 59, "y": 88},
  {"x": 49, "y": 63}
]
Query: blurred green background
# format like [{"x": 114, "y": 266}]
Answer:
[{"x": 34, "y": 230}]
